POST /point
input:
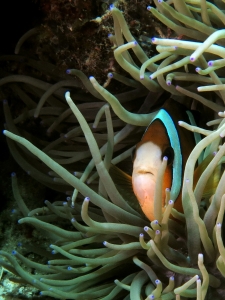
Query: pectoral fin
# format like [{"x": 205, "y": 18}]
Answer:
[{"x": 123, "y": 182}]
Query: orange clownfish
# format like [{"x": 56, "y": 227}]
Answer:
[{"x": 163, "y": 137}]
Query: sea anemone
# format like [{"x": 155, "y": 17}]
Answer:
[{"x": 114, "y": 252}]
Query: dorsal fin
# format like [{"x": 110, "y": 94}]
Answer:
[{"x": 213, "y": 181}]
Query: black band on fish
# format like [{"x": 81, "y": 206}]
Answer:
[{"x": 169, "y": 153}]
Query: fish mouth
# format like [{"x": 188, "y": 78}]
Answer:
[
  {"x": 144, "y": 189},
  {"x": 143, "y": 172}
]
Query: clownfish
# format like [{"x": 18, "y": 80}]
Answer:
[{"x": 162, "y": 138}]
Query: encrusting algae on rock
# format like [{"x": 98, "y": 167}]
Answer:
[{"x": 114, "y": 251}]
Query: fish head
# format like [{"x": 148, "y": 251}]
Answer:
[{"x": 147, "y": 161}]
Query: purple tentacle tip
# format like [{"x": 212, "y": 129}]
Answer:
[
  {"x": 210, "y": 63},
  {"x": 68, "y": 71}
]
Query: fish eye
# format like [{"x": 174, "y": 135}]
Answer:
[{"x": 170, "y": 154}]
